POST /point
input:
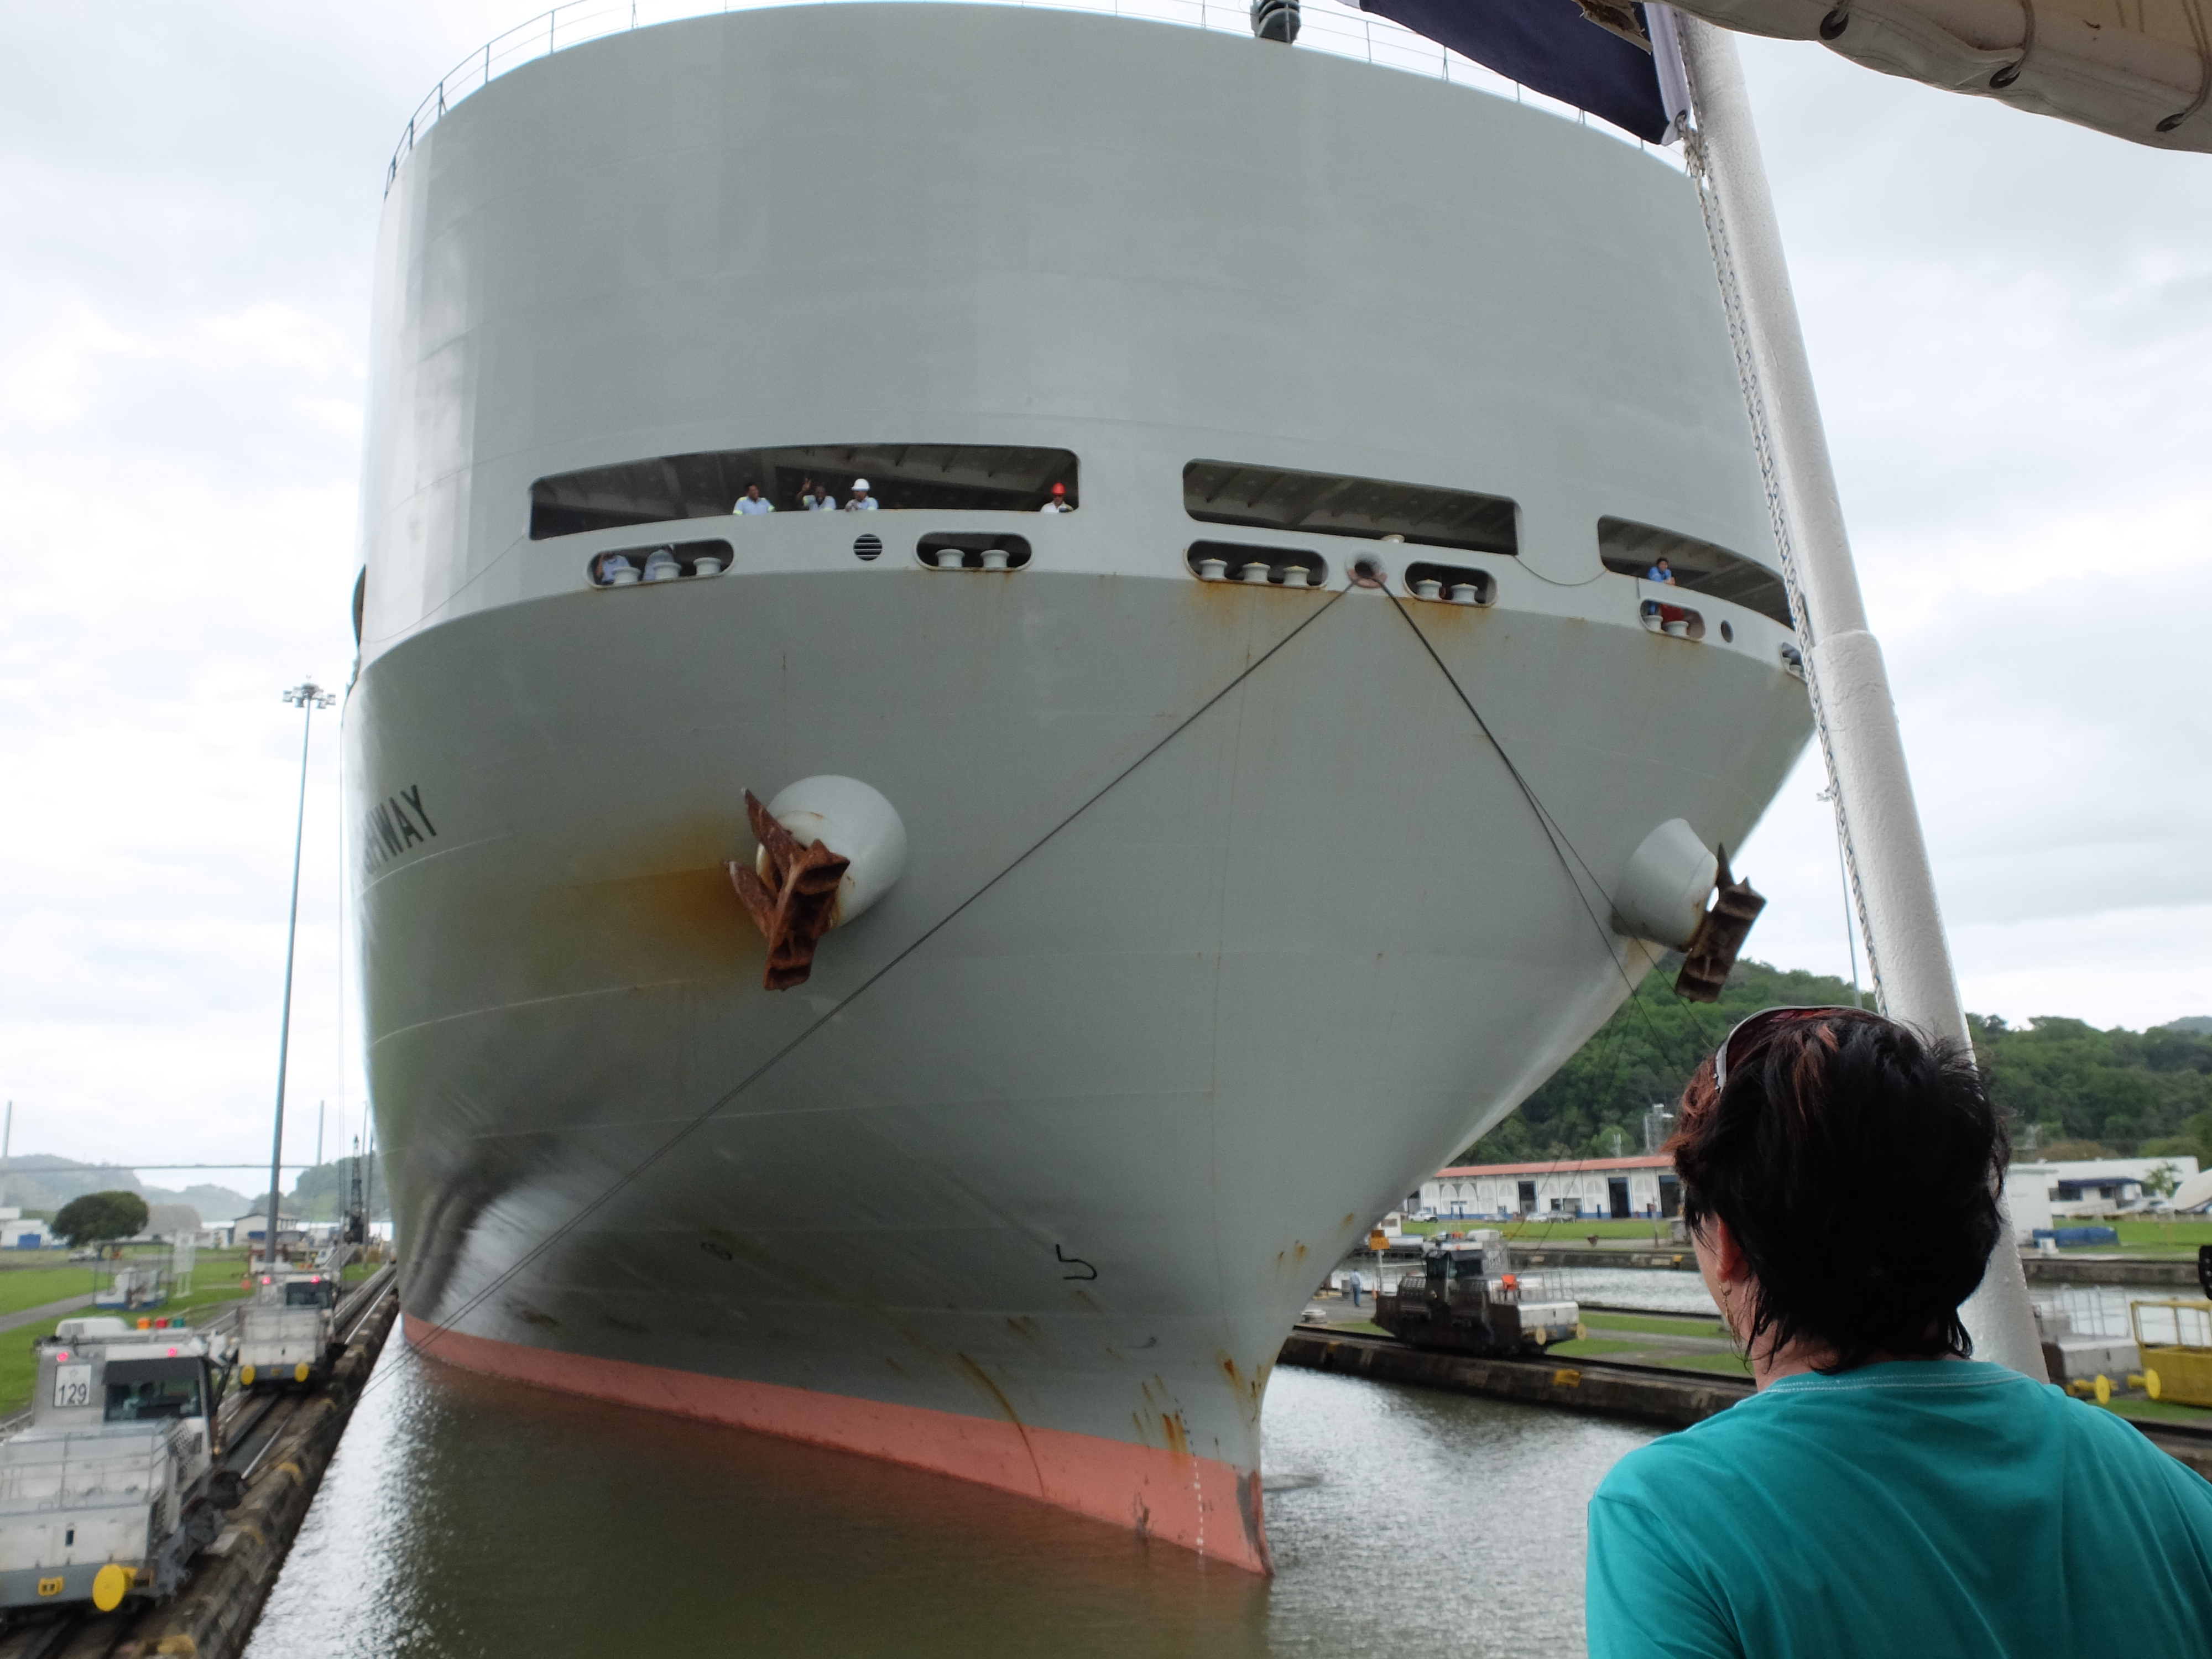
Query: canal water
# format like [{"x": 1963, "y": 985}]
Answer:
[{"x": 467, "y": 1516}]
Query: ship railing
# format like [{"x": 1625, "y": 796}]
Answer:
[{"x": 1340, "y": 30}]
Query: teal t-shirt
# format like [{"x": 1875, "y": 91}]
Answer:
[{"x": 1934, "y": 1507}]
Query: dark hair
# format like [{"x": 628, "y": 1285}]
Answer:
[{"x": 1858, "y": 1167}]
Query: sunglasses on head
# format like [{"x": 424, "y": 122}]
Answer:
[{"x": 1767, "y": 1020}]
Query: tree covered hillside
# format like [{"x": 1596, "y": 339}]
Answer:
[{"x": 2073, "y": 1090}]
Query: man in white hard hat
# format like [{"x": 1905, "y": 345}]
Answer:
[{"x": 862, "y": 501}]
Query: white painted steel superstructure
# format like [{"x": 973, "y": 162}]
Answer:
[{"x": 1229, "y": 909}]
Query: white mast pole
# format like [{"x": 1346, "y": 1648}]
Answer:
[{"x": 1908, "y": 958}]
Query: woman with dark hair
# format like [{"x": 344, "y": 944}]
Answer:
[{"x": 1882, "y": 1492}]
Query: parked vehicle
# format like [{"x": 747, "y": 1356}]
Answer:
[
  {"x": 1469, "y": 1299},
  {"x": 285, "y": 1334},
  {"x": 2174, "y": 1339},
  {"x": 115, "y": 1486}
]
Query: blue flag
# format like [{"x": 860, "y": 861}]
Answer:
[{"x": 1551, "y": 46}]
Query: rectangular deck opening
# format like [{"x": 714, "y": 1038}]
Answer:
[
  {"x": 1332, "y": 504},
  {"x": 1629, "y": 549},
  {"x": 663, "y": 488}
]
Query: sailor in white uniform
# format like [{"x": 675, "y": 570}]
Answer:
[{"x": 862, "y": 501}]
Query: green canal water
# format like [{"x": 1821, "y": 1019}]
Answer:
[{"x": 466, "y": 1516}]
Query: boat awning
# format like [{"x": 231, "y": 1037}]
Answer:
[{"x": 2139, "y": 70}]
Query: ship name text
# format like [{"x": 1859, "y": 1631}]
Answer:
[{"x": 392, "y": 826}]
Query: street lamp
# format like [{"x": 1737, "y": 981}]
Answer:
[{"x": 306, "y": 696}]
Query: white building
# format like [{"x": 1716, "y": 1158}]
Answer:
[
  {"x": 166, "y": 1222},
  {"x": 18, "y": 1233},
  {"x": 253, "y": 1228},
  {"x": 1619, "y": 1188},
  {"x": 2087, "y": 1186}
]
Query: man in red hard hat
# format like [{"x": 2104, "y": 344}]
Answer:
[{"x": 1059, "y": 503}]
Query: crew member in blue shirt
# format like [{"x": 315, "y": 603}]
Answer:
[
  {"x": 1660, "y": 572},
  {"x": 753, "y": 502},
  {"x": 1882, "y": 1493}
]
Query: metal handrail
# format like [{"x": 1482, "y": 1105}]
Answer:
[{"x": 1338, "y": 29}]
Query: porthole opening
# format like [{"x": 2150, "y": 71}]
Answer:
[
  {"x": 627, "y": 567},
  {"x": 1728, "y": 632},
  {"x": 972, "y": 550},
  {"x": 1243, "y": 561},
  {"x": 1449, "y": 584},
  {"x": 1676, "y": 622}
]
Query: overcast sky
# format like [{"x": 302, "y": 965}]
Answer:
[{"x": 2009, "y": 320}]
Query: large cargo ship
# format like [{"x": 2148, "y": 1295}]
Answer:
[{"x": 1266, "y": 814}]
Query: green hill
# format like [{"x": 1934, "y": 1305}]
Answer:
[{"x": 2070, "y": 1087}]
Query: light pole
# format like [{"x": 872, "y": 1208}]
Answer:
[{"x": 306, "y": 696}]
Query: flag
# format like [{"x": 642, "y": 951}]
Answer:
[{"x": 1594, "y": 55}]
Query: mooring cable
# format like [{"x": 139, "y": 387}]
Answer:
[
  {"x": 713, "y": 1108},
  {"x": 1553, "y": 831}
]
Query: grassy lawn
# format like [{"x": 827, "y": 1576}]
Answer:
[
  {"x": 33, "y": 1287},
  {"x": 19, "y": 1365},
  {"x": 2178, "y": 1233},
  {"x": 1590, "y": 1347},
  {"x": 2137, "y": 1235},
  {"x": 2141, "y": 1236},
  {"x": 1732, "y": 1365},
  {"x": 1706, "y": 1327}
]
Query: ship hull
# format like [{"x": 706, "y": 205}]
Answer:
[
  {"x": 1229, "y": 911},
  {"x": 1201, "y": 1503},
  {"x": 1198, "y": 960}
]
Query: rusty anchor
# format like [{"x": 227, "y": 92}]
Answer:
[
  {"x": 797, "y": 901},
  {"x": 1712, "y": 949}
]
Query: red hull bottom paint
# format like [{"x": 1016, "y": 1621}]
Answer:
[{"x": 1200, "y": 1503}]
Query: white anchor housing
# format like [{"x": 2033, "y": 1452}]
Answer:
[
  {"x": 1662, "y": 893},
  {"x": 857, "y": 823}
]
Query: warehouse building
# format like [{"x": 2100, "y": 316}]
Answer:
[{"x": 1618, "y": 1188}]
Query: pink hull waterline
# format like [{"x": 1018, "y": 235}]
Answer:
[{"x": 1202, "y": 1503}]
